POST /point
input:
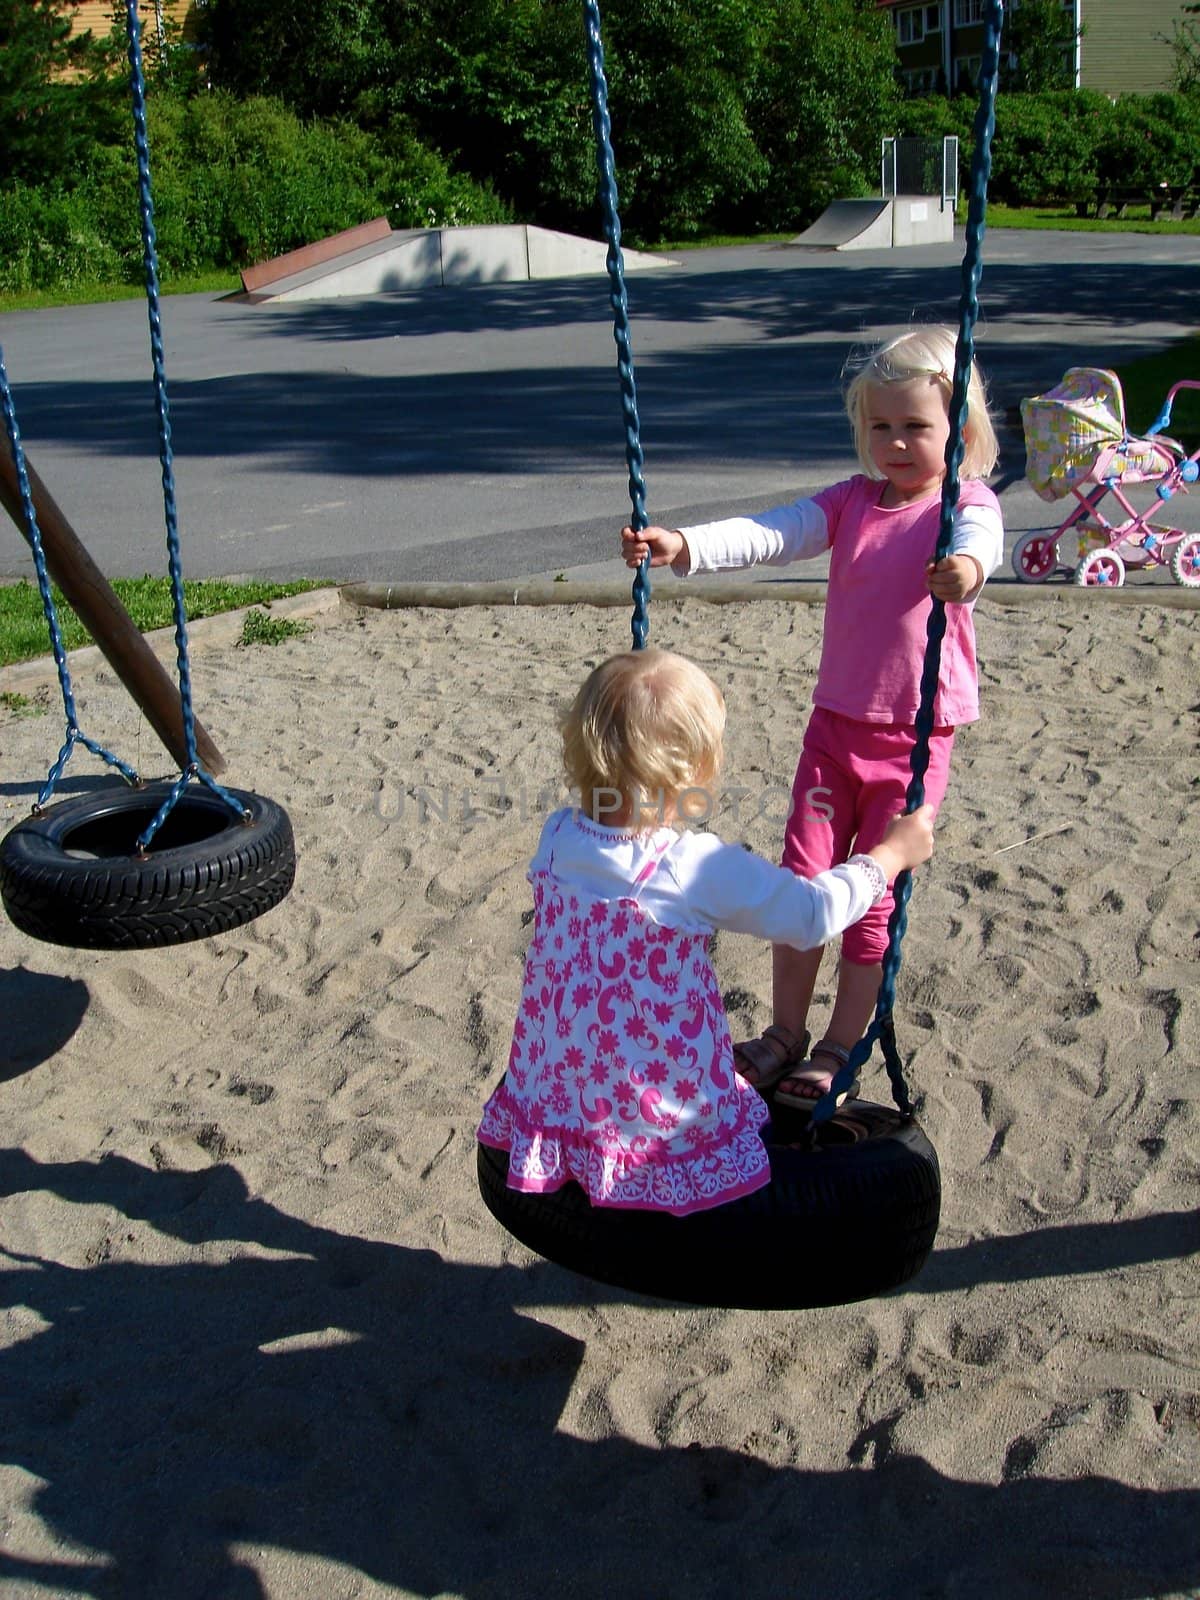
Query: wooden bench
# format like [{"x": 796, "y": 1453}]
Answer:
[
  {"x": 1175, "y": 201},
  {"x": 1166, "y": 201}
]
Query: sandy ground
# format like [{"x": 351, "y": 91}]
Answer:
[{"x": 260, "y": 1337}]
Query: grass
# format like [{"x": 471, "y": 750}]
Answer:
[
  {"x": 24, "y": 634},
  {"x": 77, "y": 294},
  {"x": 1145, "y": 384},
  {"x": 711, "y": 241},
  {"x": 1062, "y": 218},
  {"x": 19, "y": 705},
  {"x": 259, "y": 627}
]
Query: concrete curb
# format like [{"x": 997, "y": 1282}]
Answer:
[
  {"x": 223, "y": 629},
  {"x": 717, "y": 591},
  {"x": 325, "y": 605}
]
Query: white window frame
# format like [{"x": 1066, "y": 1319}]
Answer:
[
  {"x": 910, "y": 25},
  {"x": 920, "y": 80},
  {"x": 969, "y": 13}
]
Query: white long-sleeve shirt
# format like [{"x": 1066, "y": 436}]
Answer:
[
  {"x": 800, "y": 532},
  {"x": 696, "y": 882}
]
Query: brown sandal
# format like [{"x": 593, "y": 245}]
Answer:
[
  {"x": 812, "y": 1082},
  {"x": 774, "y": 1055}
]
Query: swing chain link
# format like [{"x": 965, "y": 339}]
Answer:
[
  {"x": 192, "y": 766},
  {"x": 619, "y": 300},
  {"x": 882, "y": 1026},
  {"x": 74, "y": 733}
]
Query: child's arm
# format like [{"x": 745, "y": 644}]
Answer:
[
  {"x": 976, "y": 550},
  {"x": 666, "y": 547},
  {"x": 730, "y": 888},
  {"x": 794, "y": 532},
  {"x": 954, "y": 578}
]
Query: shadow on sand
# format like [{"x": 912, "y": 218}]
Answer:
[{"x": 169, "y": 1415}]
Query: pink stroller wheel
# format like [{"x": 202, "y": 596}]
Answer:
[
  {"x": 1185, "y": 561},
  {"x": 1035, "y": 557},
  {"x": 1102, "y": 569}
]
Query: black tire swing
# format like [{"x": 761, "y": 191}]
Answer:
[
  {"x": 139, "y": 864},
  {"x": 854, "y": 1200}
]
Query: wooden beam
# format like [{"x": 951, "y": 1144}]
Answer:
[
  {"x": 315, "y": 255},
  {"x": 106, "y": 619}
]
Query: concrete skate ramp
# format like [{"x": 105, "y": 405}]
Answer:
[
  {"x": 423, "y": 257},
  {"x": 880, "y": 224},
  {"x": 850, "y": 225}
]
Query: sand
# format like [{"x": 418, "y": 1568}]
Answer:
[{"x": 261, "y": 1338}]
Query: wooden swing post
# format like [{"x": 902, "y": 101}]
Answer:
[{"x": 106, "y": 619}]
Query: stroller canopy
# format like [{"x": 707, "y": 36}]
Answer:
[{"x": 1076, "y": 432}]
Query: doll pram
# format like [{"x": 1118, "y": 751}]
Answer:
[{"x": 1077, "y": 445}]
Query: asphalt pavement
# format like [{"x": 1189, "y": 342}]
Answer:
[{"x": 449, "y": 434}]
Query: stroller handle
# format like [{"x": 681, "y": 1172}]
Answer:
[{"x": 1163, "y": 419}]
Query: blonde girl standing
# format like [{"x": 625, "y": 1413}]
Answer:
[{"x": 880, "y": 528}]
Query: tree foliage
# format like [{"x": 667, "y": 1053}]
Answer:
[
  {"x": 750, "y": 110},
  {"x": 823, "y": 95},
  {"x": 54, "y": 97},
  {"x": 310, "y": 115},
  {"x": 1042, "y": 36}
]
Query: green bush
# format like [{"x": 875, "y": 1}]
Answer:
[
  {"x": 51, "y": 237},
  {"x": 1150, "y": 139},
  {"x": 234, "y": 182},
  {"x": 1045, "y": 145},
  {"x": 1067, "y": 144}
]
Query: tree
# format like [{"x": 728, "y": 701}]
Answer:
[
  {"x": 317, "y": 56},
  {"x": 50, "y": 102},
  {"x": 746, "y": 110},
  {"x": 1184, "y": 45},
  {"x": 499, "y": 87},
  {"x": 678, "y": 74},
  {"x": 1042, "y": 37},
  {"x": 822, "y": 96}
]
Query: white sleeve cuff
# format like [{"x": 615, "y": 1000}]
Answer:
[{"x": 876, "y": 876}]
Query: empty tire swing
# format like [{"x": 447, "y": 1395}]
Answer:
[
  {"x": 131, "y": 864},
  {"x": 73, "y": 874}
]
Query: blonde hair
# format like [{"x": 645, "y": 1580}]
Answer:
[
  {"x": 646, "y": 726},
  {"x": 926, "y": 352}
]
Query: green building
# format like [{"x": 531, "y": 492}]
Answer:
[{"x": 1124, "y": 46}]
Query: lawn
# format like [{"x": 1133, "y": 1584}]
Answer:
[
  {"x": 24, "y": 632},
  {"x": 1062, "y": 218},
  {"x": 1146, "y": 382}
]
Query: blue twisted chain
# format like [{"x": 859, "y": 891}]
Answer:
[
  {"x": 192, "y": 767},
  {"x": 75, "y": 734},
  {"x": 602, "y": 126},
  {"x": 981, "y": 163}
]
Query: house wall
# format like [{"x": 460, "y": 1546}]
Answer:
[
  {"x": 1124, "y": 49},
  {"x": 96, "y": 16}
]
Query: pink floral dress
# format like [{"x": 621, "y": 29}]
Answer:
[{"x": 620, "y": 1076}]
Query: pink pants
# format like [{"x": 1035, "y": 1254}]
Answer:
[{"x": 850, "y": 783}]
